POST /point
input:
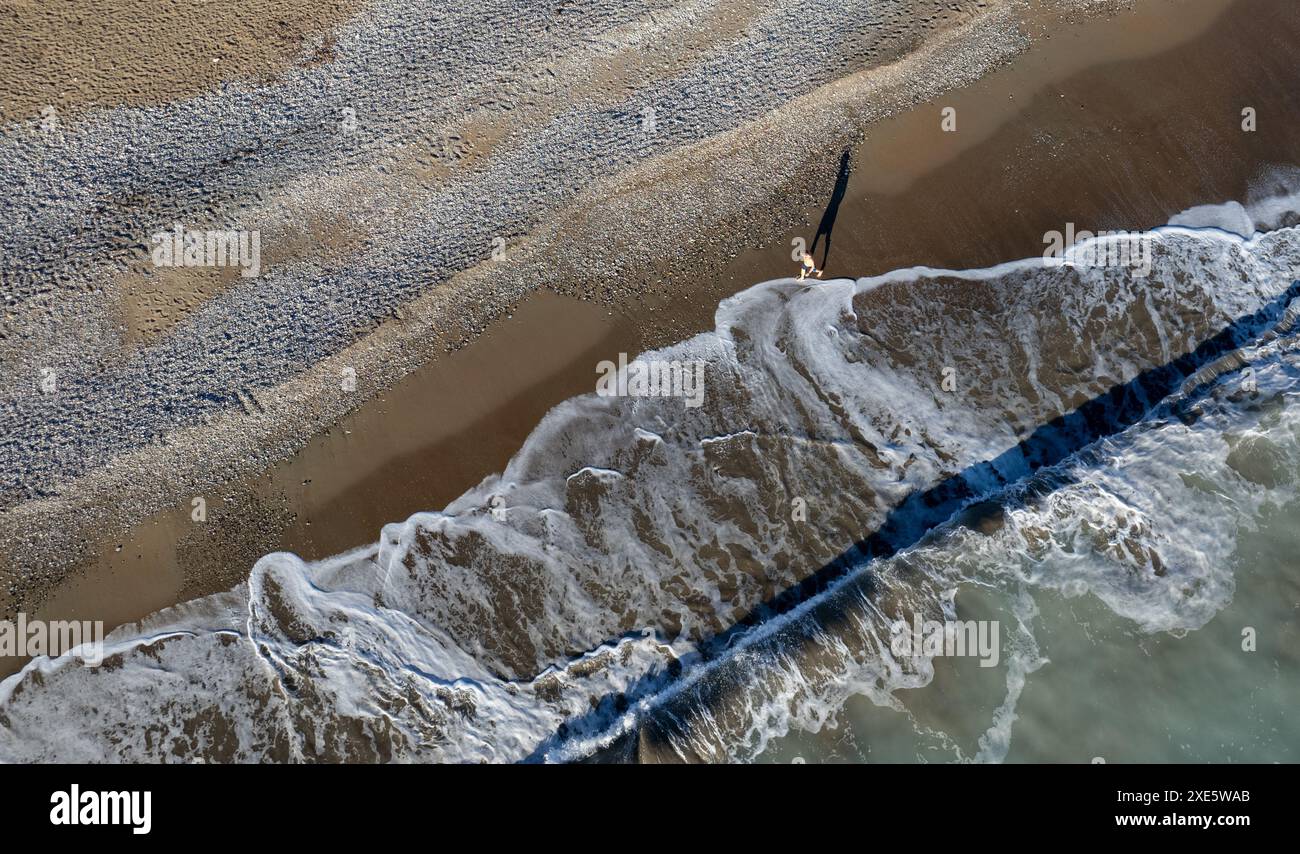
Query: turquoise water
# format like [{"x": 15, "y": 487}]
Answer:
[{"x": 1109, "y": 691}]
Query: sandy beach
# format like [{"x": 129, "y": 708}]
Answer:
[
  {"x": 914, "y": 197},
  {"x": 1119, "y": 117},
  {"x": 154, "y": 436}
]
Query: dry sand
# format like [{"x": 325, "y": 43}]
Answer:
[{"x": 105, "y": 53}]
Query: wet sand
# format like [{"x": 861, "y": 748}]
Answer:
[
  {"x": 1088, "y": 127},
  {"x": 98, "y": 53},
  {"x": 440, "y": 431},
  {"x": 1114, "y": 123},
  {"x": 1136, "y": 175},
  {"x": 433, "y": 434}
]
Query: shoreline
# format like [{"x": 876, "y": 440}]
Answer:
[
  {"x": 922, "y": 213},
  {"x": 234, "y": 449}
]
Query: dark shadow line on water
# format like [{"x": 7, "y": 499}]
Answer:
[
  {"x": 1111, "y": 412},
  {"x": 827, "y": 224}
]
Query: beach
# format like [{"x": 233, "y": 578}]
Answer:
[
  {"x": 908, "y": 190},
  {"x": 1050, "y": 130},
  {"x": 255, "y": 420}
]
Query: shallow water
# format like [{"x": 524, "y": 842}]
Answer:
[{"x": 1109, "y": 691}]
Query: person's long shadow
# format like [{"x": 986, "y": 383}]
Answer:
[
  {"x": 827, "y": 224},
  {"x": 1113, "y": 411}
]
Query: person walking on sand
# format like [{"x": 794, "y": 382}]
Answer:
[{"x": 808, "y": 265}]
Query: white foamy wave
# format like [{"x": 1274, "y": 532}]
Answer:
[
  {"x": 1274, "y": 206},
  {"x": 1147, "y": 520}
]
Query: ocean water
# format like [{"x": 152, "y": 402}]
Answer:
[
  {"x": 1103, "y": 687},
  {"x": 1104, "y": 464}
]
